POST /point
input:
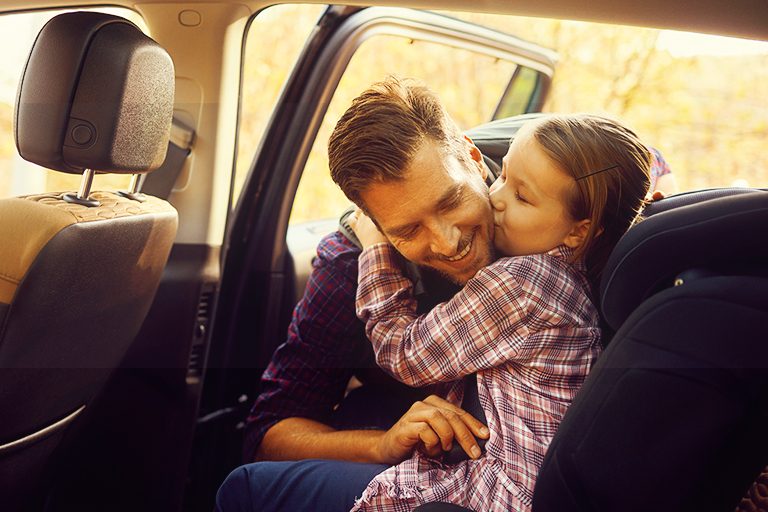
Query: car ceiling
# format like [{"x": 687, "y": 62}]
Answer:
[{"x": 740, "y": 18}]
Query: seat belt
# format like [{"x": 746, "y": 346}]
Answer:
[{"x": 161, "y": 182}]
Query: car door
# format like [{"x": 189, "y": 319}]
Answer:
[{"x": 267, "y": 254}]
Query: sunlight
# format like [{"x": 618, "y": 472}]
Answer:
[{"x": 688, "y": 44}]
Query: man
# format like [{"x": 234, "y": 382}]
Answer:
[
  {"x": 397, "y": 155},
  {"x": 440, "y": 219}
]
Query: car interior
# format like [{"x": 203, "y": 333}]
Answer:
[{"x": 136, "y": 320}]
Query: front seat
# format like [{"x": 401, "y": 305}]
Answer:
[
  {"x": 78, "y": 270},
  {"x": 674, "y": 415}
]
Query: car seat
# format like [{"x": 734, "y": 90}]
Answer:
[
  {"x": 673, "y": 415},
  {"x": 78, "y": 270}
]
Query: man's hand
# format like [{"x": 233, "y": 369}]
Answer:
[
  {"x": 365, "y": 230},
  {"x": 431, "y": 426}
]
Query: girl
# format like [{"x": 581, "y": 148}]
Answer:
[{"x": 526, "y": 325}]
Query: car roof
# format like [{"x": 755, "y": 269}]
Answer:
[{"x": 739, "y": 18}]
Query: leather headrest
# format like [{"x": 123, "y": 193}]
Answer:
[
  {"x": 721, "y": 235},
  {"x": 96, "y": 93},
  {"x": 493, "y": 138}
]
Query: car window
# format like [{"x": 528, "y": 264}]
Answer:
[
  {"x": 274, "y": 40},
  {"x": 17, "y": 176},
  {"x": 469, "y": 83},
  {"x": 702, "y": 100},
  {"x": 699, "y": 99}
]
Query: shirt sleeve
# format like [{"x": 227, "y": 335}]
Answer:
[
  {"x": 308, "y": 374},
  {"x": 482, "y": 326},
  {"x": 659, "y": 166}
]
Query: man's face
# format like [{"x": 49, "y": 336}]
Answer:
[{"x": 438, "y": 215}]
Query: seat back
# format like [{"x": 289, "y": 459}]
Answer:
[
  {"x": 78, "y": 271},
  {"x": 673, "y": 415}
]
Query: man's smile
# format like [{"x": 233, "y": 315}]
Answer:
[{"x": 462, "y": 253}]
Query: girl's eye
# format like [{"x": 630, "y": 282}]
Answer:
[{"x": 520, "y": 198}]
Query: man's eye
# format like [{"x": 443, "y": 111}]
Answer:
[{"x": 408, "y": 235}]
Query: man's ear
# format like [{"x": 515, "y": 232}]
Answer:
[
  {"x": 477, "y": 157},
  {"x": 577, "y": 234}
]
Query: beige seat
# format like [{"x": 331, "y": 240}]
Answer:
[{"x": 78, "y": 270}]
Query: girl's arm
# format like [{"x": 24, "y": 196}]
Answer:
[{"x": 481, "y": 327}]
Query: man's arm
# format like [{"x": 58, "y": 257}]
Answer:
[
  {"x": 431, "y": 425},
  {"x": 303, "y": 438},
  {"x": 308, "y": 374}
]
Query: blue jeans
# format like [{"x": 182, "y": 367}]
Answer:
[{"x": 306, "y": 485}]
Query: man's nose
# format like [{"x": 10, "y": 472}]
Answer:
[{"x": 445, "y": 239}]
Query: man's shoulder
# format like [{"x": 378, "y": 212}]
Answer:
[{"x": 336, "y": 246}]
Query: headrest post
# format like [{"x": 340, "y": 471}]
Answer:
[
  {"x": 85, "y": 184},
  {"x": 85, "y": 190},
  {"x": 137, "y": 181}
]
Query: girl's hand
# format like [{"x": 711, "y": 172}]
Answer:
[
  {"x": 365, "y": 229},
  {"x": 657, "y": 195}
]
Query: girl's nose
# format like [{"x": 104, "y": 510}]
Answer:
[{"x": 496, "y": 202}]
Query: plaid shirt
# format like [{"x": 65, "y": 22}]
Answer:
[
  {"x": 659, "y": 167},
  {"x": 526, "y": 325},
  {"x": 308, "y": 373},
  {"x": 326, "y": 344}
]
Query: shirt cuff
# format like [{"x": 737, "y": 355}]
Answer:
[{"x": 377, "y": 258}]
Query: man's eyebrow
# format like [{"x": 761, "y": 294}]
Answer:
[{"x": 451, "y": 198}]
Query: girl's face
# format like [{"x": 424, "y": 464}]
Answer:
[{"x": 529, "y": 200}]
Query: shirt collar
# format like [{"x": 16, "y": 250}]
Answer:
[{"x": 566, "y": 253}]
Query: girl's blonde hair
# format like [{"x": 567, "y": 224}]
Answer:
[{"x": 611, "y": 168}]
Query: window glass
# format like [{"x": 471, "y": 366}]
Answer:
[
  {"x": 702, "y": 100},
  {"x": 273, "y": 43},
  {"x": 470, "y": 85},
  {"x": 17, "y": 176},
  {"x": 520, "y": 94}
]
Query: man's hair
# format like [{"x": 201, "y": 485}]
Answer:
[
  {"x": 377, "y": 137},
  {"x": 611, "y": 167}
]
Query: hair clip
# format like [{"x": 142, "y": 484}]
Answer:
[{"x": 614, "y": 166}]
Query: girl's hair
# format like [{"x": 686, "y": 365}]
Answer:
[{"x": 611, "y": 168}]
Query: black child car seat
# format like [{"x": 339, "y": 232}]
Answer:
[{"x": 674, "y": 414}]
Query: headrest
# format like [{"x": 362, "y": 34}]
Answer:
[
  {"x": 722, "y": 235},
  {"x": 97, "y": 94},
  {"x": 492, "y": 139}
]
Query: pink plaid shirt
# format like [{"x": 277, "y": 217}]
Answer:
[{"x": 526, "y": 325}]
